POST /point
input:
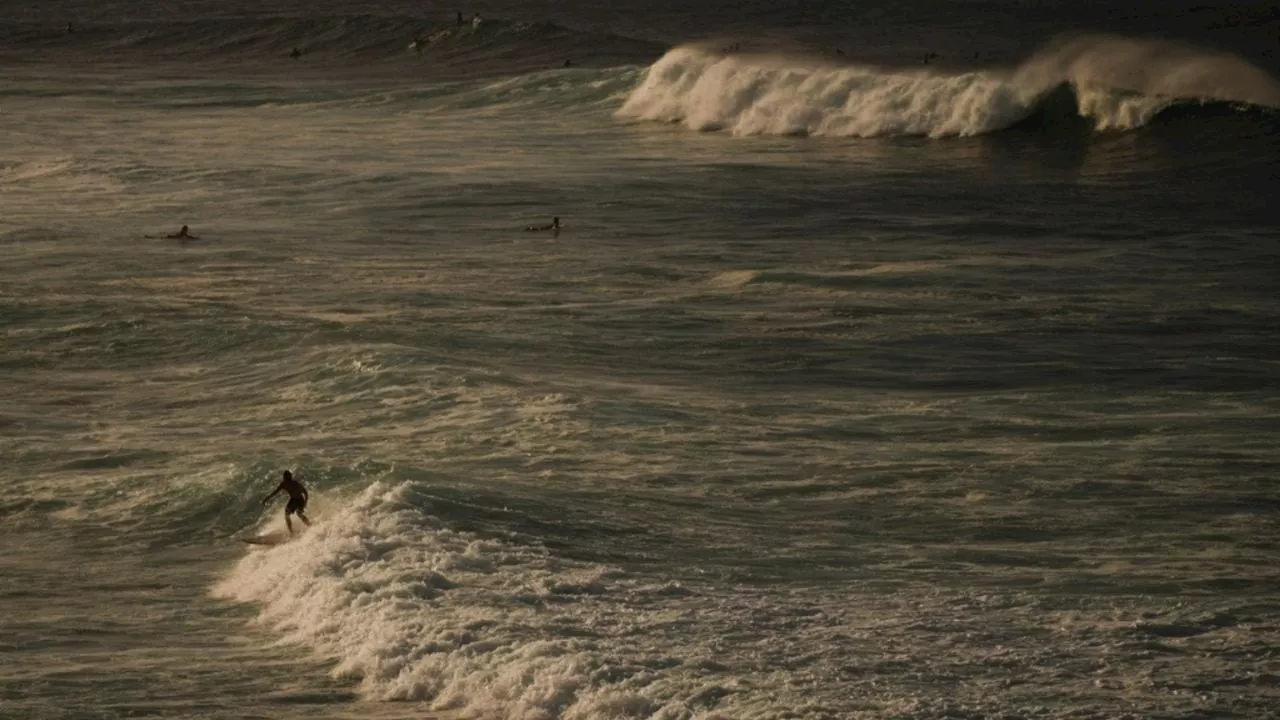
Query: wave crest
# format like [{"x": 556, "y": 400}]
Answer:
[
  {"x": 1119, "y": 84},
  {"x": 1154, "y": 68}
]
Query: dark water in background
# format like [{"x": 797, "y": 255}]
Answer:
[
  {"x": 856, "y": 387},
  {"x": 954, "y": 29}
]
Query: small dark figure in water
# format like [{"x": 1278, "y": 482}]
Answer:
[
  {"x": 70, "y": 29},
  {"x": 460, "y": 19},
  {"x": 297, "y": 499},
  {"x": 568, "y": 63},
  {"x": 295, "y": 54},
  {"x": 555, "y": 225},
  {"x": 183, "y": 234}
]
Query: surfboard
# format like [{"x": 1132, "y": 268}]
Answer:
[{"x": 268, "y": 539}]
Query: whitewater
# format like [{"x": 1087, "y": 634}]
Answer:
[
  {"x": 1121, "y": 84},
  {"x": 853, "y": 386}
]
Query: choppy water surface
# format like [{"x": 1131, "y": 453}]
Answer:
[{"x": 850, "y": 389}]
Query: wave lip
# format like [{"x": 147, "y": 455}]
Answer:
[
  {"x": 1147, "y": 67},
  {"x": 1118, "y": 84}
]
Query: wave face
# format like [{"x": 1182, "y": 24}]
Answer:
[{"x": 1119, "y": 84}]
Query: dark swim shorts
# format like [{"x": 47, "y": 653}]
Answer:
[{"x": 296, "y": 505}]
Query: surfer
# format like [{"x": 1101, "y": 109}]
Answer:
[
  {"x": 183, "y": 234},
  {"x": 297, "y": 499},
  {"x": 555, "y": 225},
  {"x": 295, "y": 53}
]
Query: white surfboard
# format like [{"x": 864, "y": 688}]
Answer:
[{"x": 276, "y": 538}]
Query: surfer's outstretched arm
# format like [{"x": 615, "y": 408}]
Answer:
[{"x": 273, "y": 493}]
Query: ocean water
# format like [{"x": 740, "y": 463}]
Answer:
[{"x": 853, "y": 386}]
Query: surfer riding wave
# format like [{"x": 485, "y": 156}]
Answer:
[{"x": 297, "y": 499}]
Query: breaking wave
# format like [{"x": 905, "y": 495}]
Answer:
[
  {"x": 1116, "y": 84},
  {"x": 490, "y": 627}
]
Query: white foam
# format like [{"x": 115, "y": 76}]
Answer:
[
  {"x": 1116, "y": 111},
  {"x": 767, "y": 95},
  {"x": 1120, "y": 84},
  {"x": 416, "y": 611}
]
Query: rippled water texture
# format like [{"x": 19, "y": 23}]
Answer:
[{"x": 852, "y": 386}]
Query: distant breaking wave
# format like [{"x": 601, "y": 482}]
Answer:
[
  {"x": 1102, "y": 83},
  {"x": 1118, "y": 84}
]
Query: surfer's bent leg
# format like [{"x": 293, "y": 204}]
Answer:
[{"x": 295, "y": 505}]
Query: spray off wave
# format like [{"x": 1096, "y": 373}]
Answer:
[{"x": 1118, "y": 84}]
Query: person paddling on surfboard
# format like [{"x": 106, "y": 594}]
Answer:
[
  {"x": 297, "y": 499},
  {"x": 183, "y": 234}
]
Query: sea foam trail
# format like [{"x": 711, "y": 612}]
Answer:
[
  {"x": 1119, "y": 84},
  {"x": 486, "y": 627}
]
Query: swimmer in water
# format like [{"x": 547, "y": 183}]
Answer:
[
  {"x": 555, "y": 225},
  {"x": 183, "y": 234}
]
